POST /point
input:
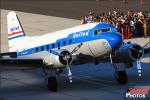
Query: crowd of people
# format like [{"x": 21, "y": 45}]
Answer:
[{"x": 130, "y": 24}]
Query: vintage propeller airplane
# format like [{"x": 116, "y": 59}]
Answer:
[{"x": 89, "y": 43}]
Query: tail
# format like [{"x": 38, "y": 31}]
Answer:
[{"x": 15, "y": 31}]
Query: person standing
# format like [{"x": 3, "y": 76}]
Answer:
[
  {"x": 82, "y": 21},
  {"x": 145, "y": 28}
]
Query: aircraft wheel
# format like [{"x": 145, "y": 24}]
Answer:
[
  {"x": 52, "y": 84},
  {"x": 121, "y": 77}
]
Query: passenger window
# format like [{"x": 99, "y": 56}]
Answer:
[
  {"x": 53, "y": 45},
  {"x": 70, "y": 41},
  {"x": 42, "y": 48},
  {"x": 58, "y": 45},
  {"x": 95, "y": 32},
  {"x": 36, "y": 49},
  {"x": 47, "y": 47},
  {"x": 64, "y": 43}
]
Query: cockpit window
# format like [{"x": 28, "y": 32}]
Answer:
[{"x": 102, "y": 31}]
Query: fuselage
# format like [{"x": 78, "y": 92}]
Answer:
[{"x": 97, "y": 39}]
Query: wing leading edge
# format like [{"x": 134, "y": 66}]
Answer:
[{"x": 11, "y": 57}]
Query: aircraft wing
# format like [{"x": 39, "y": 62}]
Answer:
[
  {"x": 126, "y": 55},
  {"x": 53, "y": 59},
  {"x": 11, "y": 58}
]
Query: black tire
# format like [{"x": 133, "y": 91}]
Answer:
[
  {"x": 121, "y": 77},
  {"x": 52, "y": 84}
]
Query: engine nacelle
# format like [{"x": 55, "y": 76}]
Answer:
[
  {"x": 58, "y": 59},
  {"x": 129, "y": 53}
]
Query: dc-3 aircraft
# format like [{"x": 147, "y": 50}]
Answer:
[{"x": 89, "y": 43}]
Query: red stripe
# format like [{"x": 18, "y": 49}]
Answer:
[{"x": 14, "y": 33}]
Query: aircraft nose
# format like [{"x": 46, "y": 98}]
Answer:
[{"x": 115, "y": 40}]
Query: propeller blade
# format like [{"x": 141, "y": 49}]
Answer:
[
  {"x": 69, "y": 74},
  {"x": 69, "y": 71},
  {"x": 76, "y": 48},
  {"x": 111, "y": 61}
]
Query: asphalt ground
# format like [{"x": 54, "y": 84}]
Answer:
[
  {"x": 90, "y": 82},
  {"x": 72, "y": 8}
]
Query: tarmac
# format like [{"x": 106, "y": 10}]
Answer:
[
  {"x": 72, "y": 8},
  {"x": 90, "y": 82}
]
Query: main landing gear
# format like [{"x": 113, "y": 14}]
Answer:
[
  {"x": 52, "y": 83},
  {"x": 120, "y": 74},
  {"x": 51, "y": 78}
]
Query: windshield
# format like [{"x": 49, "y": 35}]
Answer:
[{"x": 102, "y": 31}]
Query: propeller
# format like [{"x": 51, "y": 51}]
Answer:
[
  {"x": 68, "y": 67},
  {"x": 139, "y": 50},
  {"x": 67, "y": 57},
  {"x": 138, "y": 62}
]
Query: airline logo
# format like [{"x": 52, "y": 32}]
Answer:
[
  {"x": 15, "y": 32},
  {"x": 14, "y": 29},
  {"x": 81, "y": 34}
]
